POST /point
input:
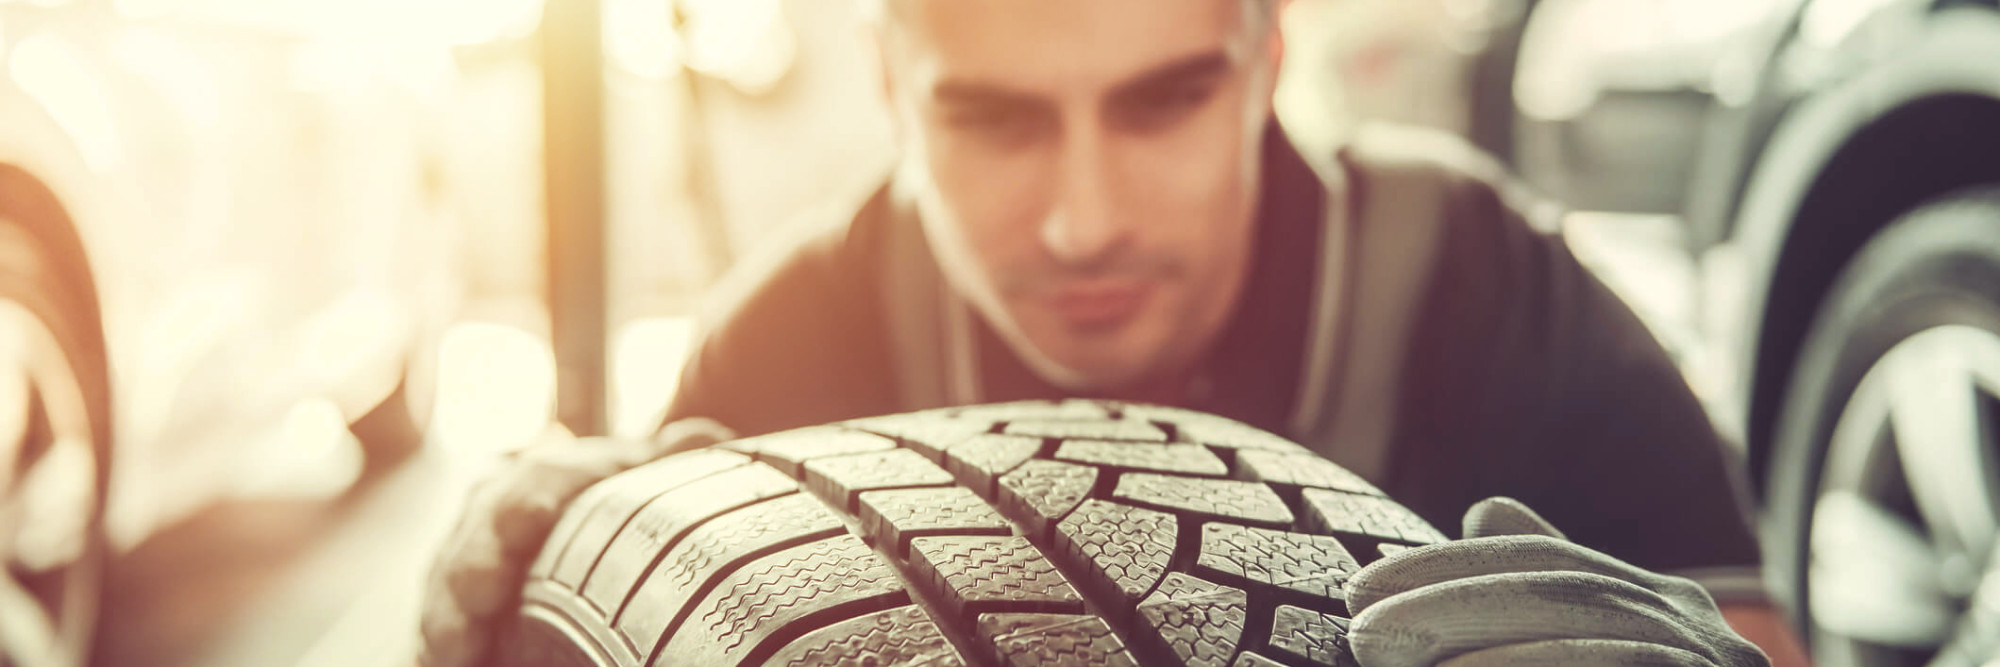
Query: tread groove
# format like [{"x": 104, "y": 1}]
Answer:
[
  {"x": 1039, "y": 532},
  {"x": 763, "y": 598},
  {"x": 899, "y": 636},
  {"x": 777, "y": 641},
  {"x": 702, "y": 585},
  {"x": 660, "y": 525},
  {"x": 612, "y": 492}
]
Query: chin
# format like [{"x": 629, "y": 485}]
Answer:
[
  {"x": 1103, "y": 380},
  {"x": 1101, "y": 365},
  {"x": 1094, "y": 362}
]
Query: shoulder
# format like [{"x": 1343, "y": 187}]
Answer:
[
  {"x": 825, "y": 253},
  {"x": 1476, "y": 188},
  {"x": 1487, "y": 246},
  {"x": 793, "y": 335}
]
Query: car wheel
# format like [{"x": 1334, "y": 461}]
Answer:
[
  {"x": 1882, "y": 521},
  {"x": 1022, "y": 534},
  {"x": 55, "y": 433}
]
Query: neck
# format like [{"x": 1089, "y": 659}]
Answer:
[{"x": 1173, "y": 389}]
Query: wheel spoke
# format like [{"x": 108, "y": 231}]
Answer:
[
  {"x": 1874, "y": 575},
  {"x": 15, "y": 399},
  {"x": 55, "y": 497},
  {"x": 28, "y": 636},
  {"x": 1976, "y": 642},
  {"x": 49, "y": 501},
  {"x": 1935, "y": 415}
]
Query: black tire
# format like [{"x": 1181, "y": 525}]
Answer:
[
  {"x": 1016, "y": 534},
  {"x": 44, "y": 272},
  {"x": 1936, "y": 267}
]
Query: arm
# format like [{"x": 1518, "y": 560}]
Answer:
[
  {"x": 792, "y": 338},
  {"x": 1626, "y": 380},
  {"x": 788, "y": 349},
  {"x": 1586, "y": 417},
  {"x": 1766, "y": 627},
  {"x": 1515, "y": 591}
]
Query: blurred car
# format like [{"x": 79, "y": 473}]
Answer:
[
  {"x": 225, "y": 229},
  {"x": 1836, "y": 164},
  {"x": 1441, "y": 64}
]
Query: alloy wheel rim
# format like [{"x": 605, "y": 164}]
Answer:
[{"x": 1904, "y": 523}]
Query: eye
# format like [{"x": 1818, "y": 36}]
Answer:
[{"x": 1160, "y": 106}]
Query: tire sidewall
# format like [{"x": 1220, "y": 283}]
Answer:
[{"x": 1937, "y": 265}]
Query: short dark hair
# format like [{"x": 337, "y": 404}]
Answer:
[{"x": 1258, "y": 13}]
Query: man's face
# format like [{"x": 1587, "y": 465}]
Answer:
[{"x": 1091, "y": 170}]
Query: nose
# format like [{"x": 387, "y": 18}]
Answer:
[{"x": 1084, "y": 227}]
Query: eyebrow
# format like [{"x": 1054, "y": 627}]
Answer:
[
  {"x": 1197, "y": 67},
  {"x": 973, "y": 93}
]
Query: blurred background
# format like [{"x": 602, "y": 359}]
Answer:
[{"x": 279, "y": 277}]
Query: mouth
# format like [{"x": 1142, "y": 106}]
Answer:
[{"x": 1100, "y": 305}]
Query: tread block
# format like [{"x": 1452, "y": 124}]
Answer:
[
  {"x": 1088, "y": 430},
  {"x": 789, "y": 450},
  {"x": 1248, "y": 659},
  {"x": 1200, "y": 623},
  {"x": 840, "y": 478},
  {"x": 900, "y": 636},
  {"x": 613, "y": 501},
  {"x": 1300, "y": 469},
  {"x": 1040, "y": 493},
  {"x": 1178, "y": 458},
  {"x": 712, "y": 546},
  {"x": 1315, "y": 565},
  {"x": 1247, "y": 502},
  {"x": 1388, "y": 549},
  {"x": 906, "y": 539},
  {"x": 977, "y": 574},
  {"x": 893, "y": 517},
  {"x": 1057, "y": 640},
  {"x": 980, "y": 460},
  {"x": 1379, "y": 518},
  {"x": 1074, "y": 409},
  {"x": 1159, "y": 413},
  {"x": 1229, "y": 434},
  {"x": 663, "y": 521},
  {"x": 1126, "y": 549},
  {"x": 930, "y": 433},
  {"x": 1316, "y": 638},
  {"x": 777, "y": 590}
]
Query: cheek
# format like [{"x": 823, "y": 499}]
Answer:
[
  {"x": 993, "y": 199},
  {"x": 1190, "y": 184}
]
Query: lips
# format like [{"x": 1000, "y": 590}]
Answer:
[{"x": 1100, "y": 306}]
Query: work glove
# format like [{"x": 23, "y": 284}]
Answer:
[
  {"x": 476, "y": 578},
  {"x": 1515, "y": 591}
]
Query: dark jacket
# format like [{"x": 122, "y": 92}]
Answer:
[{"x": 1403, "y": 318}]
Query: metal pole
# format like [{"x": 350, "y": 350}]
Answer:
[
  {"x": 573, "y": 144},
  {"x": 710, "y": 229}
]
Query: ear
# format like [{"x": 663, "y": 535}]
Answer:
[
  {"x": 1274, "y": 42},
  {"x": 875, "y": 41}
]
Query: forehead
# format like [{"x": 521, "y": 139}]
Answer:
[{"x": 1057, "y": 46}]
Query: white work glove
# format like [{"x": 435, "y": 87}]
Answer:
[
  {"x": 1515, "y": 591},
  {"x": 476, "y": 578}
]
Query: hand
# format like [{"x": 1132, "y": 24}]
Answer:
[
  {"x": 1515, "y": 591},
  {"x": 476, "y": 578}
]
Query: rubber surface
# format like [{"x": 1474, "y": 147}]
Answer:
[{"x": 1073, "y": 533}]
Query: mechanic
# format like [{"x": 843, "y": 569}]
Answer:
[{"x": 1094, "y": 201}]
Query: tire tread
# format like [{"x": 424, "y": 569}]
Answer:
[{"x": 1068, "y": 533}]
